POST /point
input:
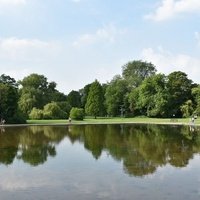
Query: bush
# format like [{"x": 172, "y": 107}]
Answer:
[
  {"x": 77, "y": 113},
  {"x": 36, "y": 114},
  {"x": 53, "y": 111}
]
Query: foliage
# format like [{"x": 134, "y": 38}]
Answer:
[
  {"x": 115, "y": 95},
  {"x": 53, "y": 111},
  {"x": 28, "y": 100},
  {"x": 65, "y": 106},
  {"x": 150, "y": 97},
  {"x": 95, "y": 101},
  {"x": 17, "y": 118},
  {"x": 196, "y": 95},
  {"x": 36, "y": 114},
  {"x": 136, "y": 71},
  {"x": 179, "y": 91},
  {"x": 77, "y": 113},
  {"x": 9, "y": 110},
  {"x": 74, "y": 99},
  {"x": 84, "y": 94},
  {"x": 139, "y": 91},
  {"x": 187, "y": 108},
  {"x": 36, "y": 92}
]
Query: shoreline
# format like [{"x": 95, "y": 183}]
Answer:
[{"x": 98, "y": 123}]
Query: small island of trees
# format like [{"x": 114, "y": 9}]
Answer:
[{"x": 138, "y": 91}]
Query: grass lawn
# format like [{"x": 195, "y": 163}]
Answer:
[{"x": 117, "y": 120}]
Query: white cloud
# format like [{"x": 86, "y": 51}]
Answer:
[
  {"x": 21, "y": 57},
  {"x": 106, "y": 34},
  {"x": 171, "y": 8},
  {"x": 25, "y": 49},
  {"x": 167, "y": 62}
]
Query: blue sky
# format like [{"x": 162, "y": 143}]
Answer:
[{"x": 74, "y": 42}]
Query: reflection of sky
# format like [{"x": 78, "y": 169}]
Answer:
[{"x": 75, "y": 174}]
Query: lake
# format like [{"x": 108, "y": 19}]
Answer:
[{"x": 89, "y": 162}]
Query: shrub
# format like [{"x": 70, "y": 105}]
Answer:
[
  {"x": 53, "y": 111},
  {"x": 36, "y": 114},
  {"x": 77, "y": 113}
]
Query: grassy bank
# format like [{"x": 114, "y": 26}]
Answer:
[{"x": 117, "y": 120}]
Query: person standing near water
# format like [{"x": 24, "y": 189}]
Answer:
[
  {"x": 192, "y": 120},
  {"x": 192, "y": 123}
]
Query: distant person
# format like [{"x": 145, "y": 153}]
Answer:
[
  {"x": 192, "y": 119},
  {"x": 2, "y": 121},
  {"x": 70, "y": 120}
]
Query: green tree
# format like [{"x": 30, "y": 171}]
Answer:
[
  {"x": 36, "y": 92},
  {"x": 136, "y": 71},
  {"x": 115, "y": 96},
  {"x": 74, "y": 99},
  {"x": 36, "y": 114},
  {"x": 33, "y": 92},
  {"x": 65, "y": 106},
  {"x": 151, "y": 96},
  {"x": 135, "y": 106},
  {"x": 53, "y": 94},
  {"x": 187, "y": 108},
  {"x": 9, "y": 100},
  {"x": 196, "y": 96},
  {"x": 28, "y": 100},
  {"x": 95, "y": 105},
  {"x": 179, "y": 91},
  {"x": 84, "y": 94}
]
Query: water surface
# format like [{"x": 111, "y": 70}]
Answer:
[{"x": 109, "y": 162}]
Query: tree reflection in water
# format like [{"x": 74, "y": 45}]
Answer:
[
  {"x": 141, "y": 148},
  {"x": 31, "y": 144}
]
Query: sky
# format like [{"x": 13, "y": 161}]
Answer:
[{"x": 74, "y": 42}]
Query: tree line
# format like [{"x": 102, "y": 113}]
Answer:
[{"x": 139, "y": 90}]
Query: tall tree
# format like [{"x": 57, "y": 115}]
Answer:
[
  {"x": 84, "y": 94},
  {"x": 196, "y": 96},
  {"x": 115, "y": 96},
  {"x": 53, "y": 94},
  {"x": 9, "y": 100},
  {"x": 150, "y": 98},
  {"x": 33, "y": 92},
  {"x": 36, "y": 92},
  {"x": 136, "y": 71},
  {"x": 95, "y": 105},
  {"x": 179, "y": 90},
  {"x": 74, "y": 99}
]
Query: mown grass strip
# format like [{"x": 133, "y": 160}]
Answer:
[{"x": 117, "y": 120}]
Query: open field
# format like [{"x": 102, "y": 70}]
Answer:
[{"x": 185, "y": 121}]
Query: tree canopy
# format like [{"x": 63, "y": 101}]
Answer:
[
  {"x": 9, "y": 97},
  {"x": 36, "y": 92},
  {"x": 136, "y": 71},
  {"x": 94, "y": 105},
  {"x": 115, "y": 95}
]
